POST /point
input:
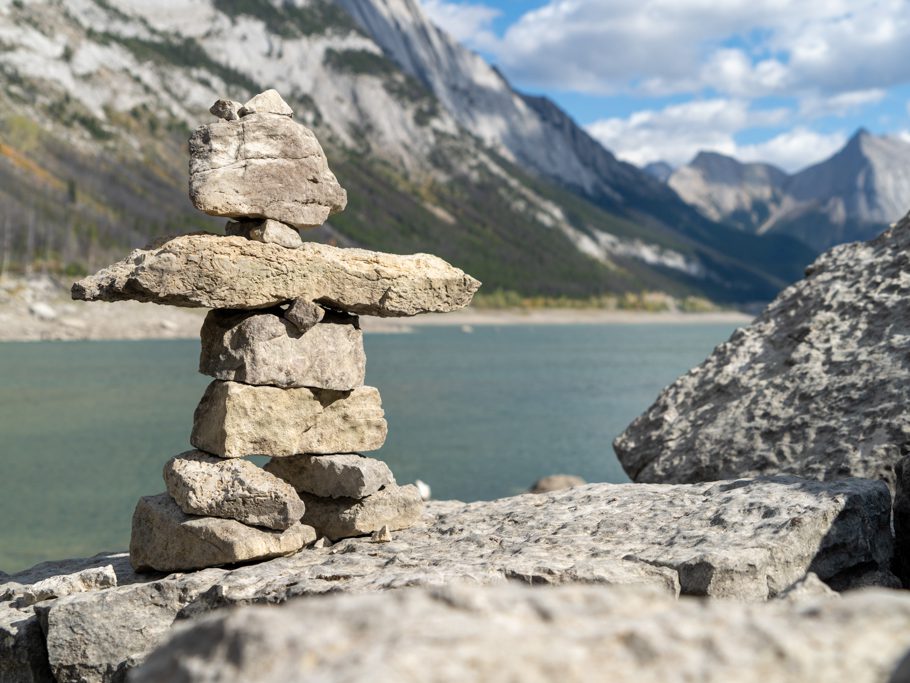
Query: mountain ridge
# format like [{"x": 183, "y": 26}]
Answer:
[{"x": 852, "y": 195}]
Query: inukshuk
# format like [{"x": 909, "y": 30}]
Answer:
[{"x": 284, "y": 345}]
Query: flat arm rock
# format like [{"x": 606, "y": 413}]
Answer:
[
  {"x": 747, "y": 539},
  {"x": 518, "y": 633},
  {"x": 817, "y": 386},
  {"x": 212, "y": 271}
]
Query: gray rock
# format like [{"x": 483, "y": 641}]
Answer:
[
  {"x": 517, "y": 633},
  {"x": 266, "y": 349},
  {"x": 202, "y": 484},
  {"x": 333, "y": 476},
  {"x": 95, "y": 637},
  {"x": 304, "y": 314},
  {"x": 23, "y": 653},
  {"x": 235, "y": 420},
  {"x": 747, "y": 540},
  {"x": 810, "y": 587},
  {"x": 383, "y": 535},
  {"x": 816, "y": 386},
  {"x": 902, "y": 520},
  {"x": 268, "y": 231},
  {"x": 268, "y": 102},
  {"x": 67, "y": 584},
  {"x": 263, "y": 166},
  {"x": 556, "y": 482},
  {"x": 395, "y": 507},
  {"x": 212, "y": 271},
  {"x": 226, "y": 109},
  {"x": 166, "y": 539}
]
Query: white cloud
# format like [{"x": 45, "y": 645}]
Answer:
[
  {"x": 739, "y": 48},
  {"x": 468, "y": 23},
  {"x": 677, "y": 133},
  {"x": 793, "y": 150}
]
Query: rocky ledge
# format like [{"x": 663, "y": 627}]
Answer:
[
  {"x": 93, "y": 620},
  {"x": 565, "y": 633}
]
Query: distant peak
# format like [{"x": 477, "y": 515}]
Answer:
[{"x": 860, "y": 135}]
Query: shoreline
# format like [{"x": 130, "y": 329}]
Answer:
[{"x": 40, "y": 310}]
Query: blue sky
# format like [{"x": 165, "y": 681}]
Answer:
[{"x": 782, "y": 81}]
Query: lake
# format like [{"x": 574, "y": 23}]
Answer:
[{"x": 85, "y": 427}]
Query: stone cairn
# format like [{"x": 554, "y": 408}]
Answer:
[{"x": 285, "y": 347}]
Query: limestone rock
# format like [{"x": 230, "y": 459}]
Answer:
[
  {"x": 226, "y": 109},
  {"x": 383, "y": 535},
  {"x": 817, "y": 386},
  {"x": 901, "y": 520},
  {"x": 556, "y": 482},
  {"x": 165, "y": 539},
  {"x": 268, "y": 231},
  {"x": 202, "y": 484},
  {"x": 234, "y": 420},
  {"x": 211, "y": 271},
  {"x": 67, "y": 584},
  {"x": 518, "y": 633},
  {"x": 396, "y": 507},
  {"x": 746, "y": 540},
  {"x": 345, "y": 475},
  {"x": 810, "y": 587},
  {"x": 263, "y": 166},
  {"x": 268, "y": 102},
  {"x": 266, "y": 349},
  {"x": 304, "y": 314},
  {"x": 23, "y": 657}
]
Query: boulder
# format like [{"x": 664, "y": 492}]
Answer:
[
  {"x": 235, "y": 420},
  {"x": 202, "y": 484},
  {"x": 748, "y": 540},
  {"x": 901, "y": 513},
  {"x": 266, "y": 349},
  {"x": 518, "y": 633},
  {"x": 395, "y": 507},
  {"x": 166, "y": 539},
  {"x": 268, "y": 231},
  {"x": 23, "y": 653},
  {"x": 304, "y": 314},
  {"x": 263, "y": 166},
  {"x": 556, "y": 482},
  {"x": 817, "y": 386},
  {"x": 268, "y": 102},
  {"x": 211, "y": 271},
  {"x": 226, "y": 109},
  {"x": 346, "y": 475}
]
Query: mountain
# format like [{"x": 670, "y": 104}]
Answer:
[
  {"x": 437, "y": 151},
  {"x": 658, "y": 169},
  {"x": 851, "y": 196}
]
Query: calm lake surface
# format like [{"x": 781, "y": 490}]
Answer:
[{"x": 85, "y": 427}]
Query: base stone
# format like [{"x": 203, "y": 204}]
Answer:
[{"x": 166, "y": 539}]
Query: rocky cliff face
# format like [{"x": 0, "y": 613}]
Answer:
[
  {"x": 853, "y": 195},
  {"x": 98, "y": 98}
]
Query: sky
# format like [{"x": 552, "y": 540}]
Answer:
[{"x": 786, "y": 82}]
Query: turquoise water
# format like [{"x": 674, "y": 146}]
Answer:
[{"x": 85, "y": 427}]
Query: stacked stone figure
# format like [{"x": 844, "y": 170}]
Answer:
[{"x": 284, "y": 346}]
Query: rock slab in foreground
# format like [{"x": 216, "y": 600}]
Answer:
[
  {"x": 211, "y": 271},
  {"x": 263, "y": 166},
  {"x": 234, "y": 420},
  {"x": 346, "y": 475},
  {"x": 395, "y": 507},
  {"x": 749, "y": 540},
  {"x": 266, "y": 349},
  {"x": 518, "y": 633},
  {"x": 166, "y": 539},
  {"x": 202, "y": 484},
  {"x": 817, "y": 386}
]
